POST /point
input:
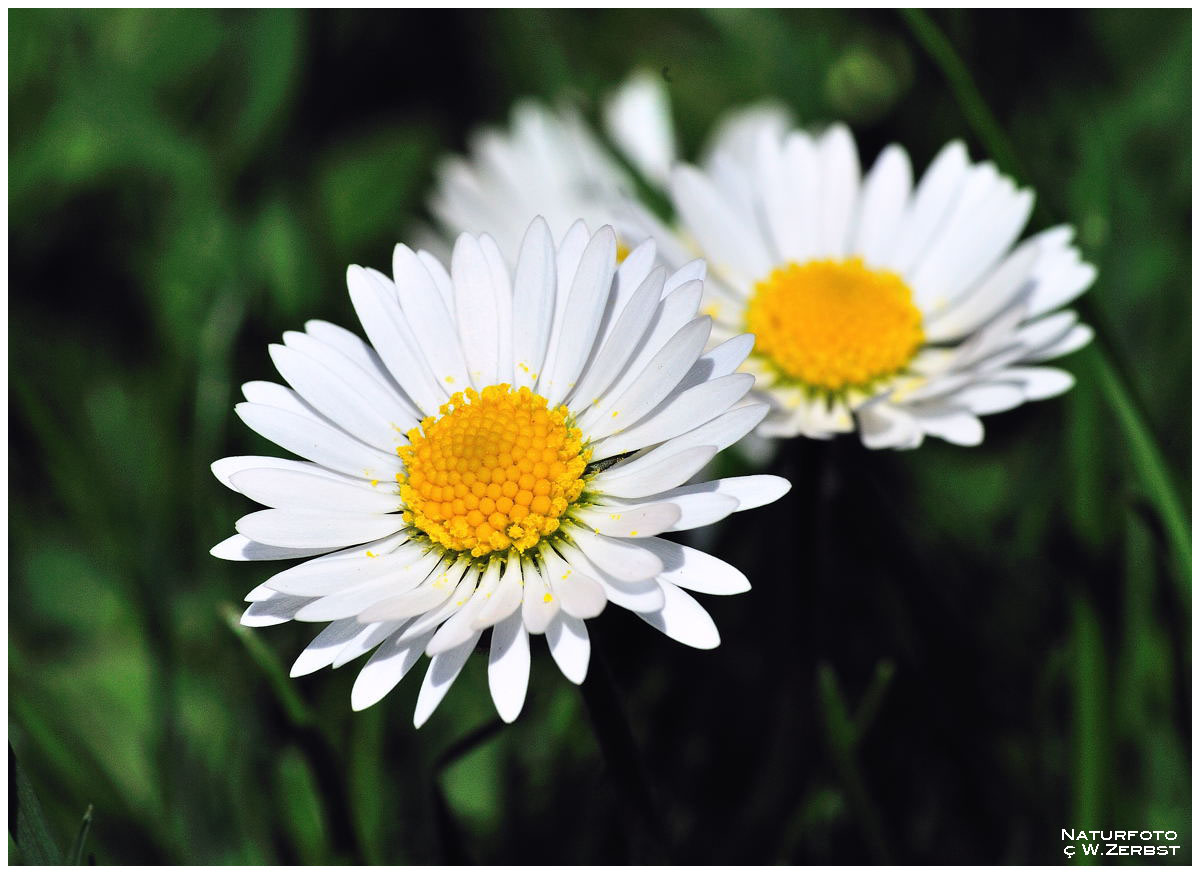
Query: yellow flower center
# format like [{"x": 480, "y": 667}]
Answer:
[
  {"x": 496, "y": 469},
  {"x": 834, "y": 325}
]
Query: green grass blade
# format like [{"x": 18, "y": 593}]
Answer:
[
  {"x": 75, "y": 857},
  {"x": 26, "y": 823}
]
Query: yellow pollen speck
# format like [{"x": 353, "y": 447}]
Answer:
[
  {"x": 834, "y": 324},
  {"x": 615, "y": 413},
  {"x": 614, "y": 516},
  {"x": 371, "y": 554},
  {"x": 496, "y": 470},
  {"x": 547, "y": 598},
  {"x": 450, "y": 379},
  {"x": 633, "y": 534},
  {"x": 712, "y": 310},
  {"x": 374, "y": 482}
]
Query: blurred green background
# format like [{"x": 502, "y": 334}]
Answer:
[{"x": 949, "y": 655}]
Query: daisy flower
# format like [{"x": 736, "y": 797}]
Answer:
[
  {"x": 502, "y": 455},
  {"x": 901, "y": 310}
]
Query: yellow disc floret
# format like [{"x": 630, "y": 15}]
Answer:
[
  {"x": 834, "y": 324},
  {"x": 494, "y": 470}
]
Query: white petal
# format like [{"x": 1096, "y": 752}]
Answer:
[
  {"x": 986, "y": 398},
  {"x": 308, "y": 529},
  {"x": 621, "y": 559},
  {"x": 629, "y": 329},
  {"x": 347, "y": 567},
  {"x": 692, "y": 569},
  {"x": 1039, "y": 383},
  {"x": 731, "y": 243},
  {"x": 637, "y": 479},
  {"x": 274, "y": 610},
  {"x": 960, "y": 428},
  {"x": 572, "y": 345},
  {"x": 384, "y": 670},
  {"x": 839, "y": 188},
  {"x": 662, "y": 374},
  {"x": 570, "y": 646},
  {"x": 884, "y": 426},
  {"x": 508, "y": 667},
  {"x": 638, "y": 119},
  {"x": 378, "y": 311},
  {"x": 432, "y": 327},
  {"x": 644, "y": 520},
  {"x": 502, "y": 284},
  {"x": 443, "y": 671},
  {"x": 676, "y": 310},
  {"x": 1075, "y": 339},
  {"x": 681, "y": 413},
  {"x": 337, "y": 400},
  {"x": 354, "y": 597},
  {"x": 684, "y": 620},
  {"x": 439, "y": 587},
  {"x": 241, "y": 548},
  {"x": 302, "y": 490},
  {"x": 934, "y": 197},
  {"x": 506, "y": 599},
  {"x": 475, "y": 305},
  {"x": 538, "y": 606},
  {"x": 369, "y": 378},
  {"x": 371, "y": 636},
  {"x": 358, "y": 351},
  {"x": 324, "y": 648},
  {"x": 461, "y": 624},
  {"x": 578, "y": 594},
  {"x": 533, "y": 302},
  {"x": 320, "y": 443},
  {"x": 884, "y": 197}
]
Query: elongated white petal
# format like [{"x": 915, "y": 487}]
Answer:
[
  {"x": 508, "y": 667},
  {"x": 223, "y": 469},
  {"x": 538, "y": 606},
  {"x": 319, "y": 443},
  {"x": 274, "y": 610},
  {"x": 238, "y": 547},
  {"x": 578, "y": 594},
  {"x": 302, "y": 490},
  {"x": 621, "y": 559},
  {"x": 534, "y": 300},
  {"x": 570, "y": 646},
  {"x": 680, "y": 414},
  {"x": 384, "y": 670},
  {"x": 443, "y": 671},
  {"x": 643, "y": 520},
  {"x": 378, "y": 311},
  {"x": 307, "y": 529},
  {"x": 432, "y": 326},
  {"x": 333, "y": 397},
  {"x": 324, "y": 648},
  {"x": 692, "y": 569},
  {"x": 636, "y": 482},
  {"x": 681, "y": 618},
  {"x": 572, "y": 346},
  {"x": 476, "y": 310},
  {"x": 505, "y": 599}
]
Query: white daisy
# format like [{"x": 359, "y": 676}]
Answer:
[
  {"x": 502, "y": 455},
  {"x": 903, "y": 309}
]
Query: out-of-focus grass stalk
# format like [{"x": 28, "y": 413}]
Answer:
[
  {"x": 293, "y": 705},
  {"x": 1089, "y": 804},
  {"x": 1145, "y": 454},
  {"x": 26, "y": 822},
  {"x": 75, "y": 857},
  {"x": 842, "y": 735}
]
